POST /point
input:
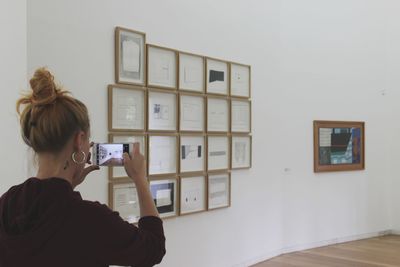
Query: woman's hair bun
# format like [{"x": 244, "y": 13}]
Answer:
[{"x": 44, "y": 89}]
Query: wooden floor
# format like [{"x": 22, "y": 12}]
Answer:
[{"x": 374, "y": 252}]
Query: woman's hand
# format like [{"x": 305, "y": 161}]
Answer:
[
  {"x": 80, "y": 177},
  {"x": 135, "y": 166}
]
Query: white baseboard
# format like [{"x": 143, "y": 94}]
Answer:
[{"x": 322, "y": 243}]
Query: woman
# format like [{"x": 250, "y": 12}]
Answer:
[{"x": 43, "y": 221}]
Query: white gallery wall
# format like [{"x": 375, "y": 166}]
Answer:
[
  {"x": 13, "y": 64},
  {"x": 311, "y": 59}
]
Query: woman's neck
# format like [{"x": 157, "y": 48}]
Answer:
[{"x": 55, "y": 166}]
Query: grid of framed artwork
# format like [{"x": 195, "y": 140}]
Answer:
[{"x": 191, "y": 115}]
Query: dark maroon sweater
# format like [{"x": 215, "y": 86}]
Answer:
[{"x": 45, "y": 223}]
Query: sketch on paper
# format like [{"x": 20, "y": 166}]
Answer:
[
  {"x": 241, "y": 152},
  {"x": 162, "y": 111},
  {"x": 217, "y": 71},
  {"x": 217, "y": 112},
  {"x": 126, "y": 203},
  {"x": 162, "y": 154},
  {"x": 127, "y": 109},
  {"x": 164, "y": 196},
  {"x": 216, "y": 76},
  {"x": 162, "y": 67},
  {"x": 192, "y": 153},
  {"x": 191, "y": 72},
  {"x": 218, "y": 191},
  {"x": 218, "y": 152},
  {"x": 192, "y": 194},
  {"x": 192, "y": 113},
  {"x": 240, "y": 80},
  {"x": 131, "y": 57},
  {"x": 240, "y": 116}
]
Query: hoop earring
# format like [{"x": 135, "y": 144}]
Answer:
[{"x": 79, "y": 162}]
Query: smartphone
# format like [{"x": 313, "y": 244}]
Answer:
[{"x": 110, "y": 154}]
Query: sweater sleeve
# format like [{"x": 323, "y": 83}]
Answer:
[{"x": 117, "y": 242}]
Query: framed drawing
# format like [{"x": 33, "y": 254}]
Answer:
[
  {"x": 130, "y": 51},
  {"x": 123, "y": 198},
  {"x": 162, "y": 151},
  {"x": 218, "y": 152},
  {"x": 164, "y": 192},
  {"x": 216, "y": 77},
  {"x": 339, "y": 146},
  {"x": 126, "y": 108},
  {"x": 118, "y": 172},
  {"x": 191, "y": 115},
  {"x": 241, "y": 151},
  {"x": 161, "y": 67},
  {"x": 241, "y": 116},
  {"x": 192, "y": 149},
  {"x": 191, "y": 72},
  {"x": 162, "y": 111},
  {"x": 240, "y": 80},
  {"x": 193, "y": 197},
  {"x": 219, "y": 190},
  {"x": 217, "y": 114}
]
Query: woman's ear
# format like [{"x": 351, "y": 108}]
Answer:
[{"x": 79, "y": 139}]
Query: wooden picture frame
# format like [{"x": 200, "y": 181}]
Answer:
[
  {"x": 217, "y": 76},
  {"x": 165, "y": 193},
  {"x": 191, "y": 76},
  {"x": 193, "y": 194},
  {"x": 219, "y": 190},
  {"x": 123, "y": 198},
  {"x": 118, "y": 172},
  {"x": 241, "y": 151},
  {"x": 192, "y": 153},
  {"x": 240, "y": 115},
  {"x": 240, "y": 80},
  {"x": 192, "y": 113},
  {"x": 162, "y": 67},
  {"x": 130, "y": 57},
  {"x": 218, "y": 152},
  {"x": 163, "y": 156},
  {"x": 339, "y": 146},
  {"x": 162, "y": 110},
  {"x": 126, "y": 108}
]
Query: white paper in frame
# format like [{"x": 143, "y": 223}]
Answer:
[
  {"x": 131, "y": 57},
  {"x": 240, "y": 80},
  {"x": 218, "y": 153},
  {"x": 162, "y": 154},
  {"x": 218, "y": 191},
  {"x": 191, "y": 72},
  {"x": 191, "y": 113},
  {"x": 162, "y": 111},
  {"x": 193, "y": 194},
  {"x": 192, "y": 153},
  {"x": 127, "y": 109},
  {"x": 119, "y": 171},
  {"x": 217, "y": 115},
  {"x": 161, "y": 67},
  {"x": 217, "y": 77},
  {"x": 241, "y": 152},
  {"x": 164, "y": 194},
  {"x": 240, "y": 116},
  {"x": 126, "y": 202}
]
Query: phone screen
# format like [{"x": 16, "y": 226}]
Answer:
[{"x": 110, "y": 154}]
